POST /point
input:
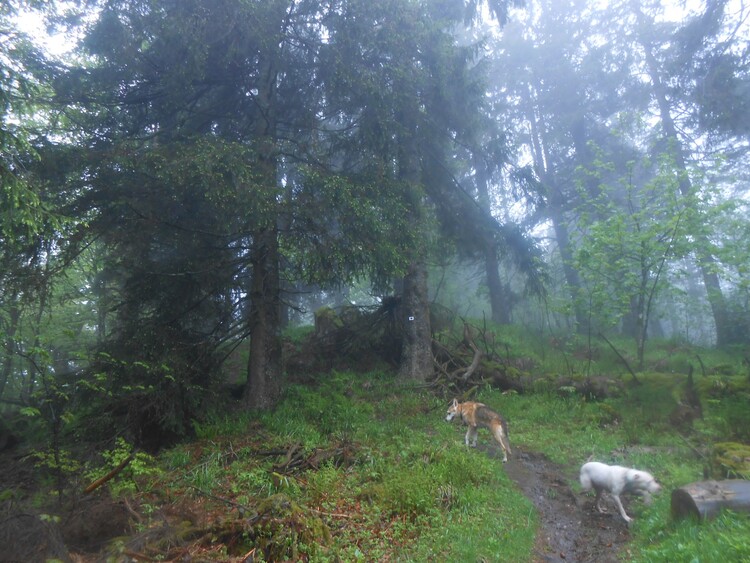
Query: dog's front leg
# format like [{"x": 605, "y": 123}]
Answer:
[
  {"x": 622, "y": 510},
  {"x": 474, "y": 433},
  {"x": 471, "y": 437}
]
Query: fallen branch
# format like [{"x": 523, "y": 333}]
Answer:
[
  {"x": 331, "y": 514},
  {"x": 624, "y": 361},
  {"x": 132, "y": 512},
  {"x": 695, "y": 450},
  {"x": 474, "y": 362},
  {"x": 240, "y": 507},
  {"x": 297, "y": 461},
  {"x": 99, "y": 482}
]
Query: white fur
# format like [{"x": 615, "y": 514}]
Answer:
[{"x": 617, "y": 480}]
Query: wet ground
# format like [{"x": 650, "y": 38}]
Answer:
[
  {"x": 571, "y": 530},
  {"x": 570, "y": 527}
]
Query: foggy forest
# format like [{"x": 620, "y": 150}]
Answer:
[{"x": 213, "y": 207}]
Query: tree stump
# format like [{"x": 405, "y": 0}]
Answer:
[{"x": 704, "y": 500}]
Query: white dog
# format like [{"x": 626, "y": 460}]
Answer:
[{"x": 617, "y": 480}]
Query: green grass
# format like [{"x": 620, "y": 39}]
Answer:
[
  {"x": 413, "y": 492},
  {"x": 724, "y": 539},
  {"x": 633, "y": 430}
]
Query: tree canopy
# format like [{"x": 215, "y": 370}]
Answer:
[{"x": 196, "y": 174}]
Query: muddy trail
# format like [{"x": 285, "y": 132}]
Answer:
[{"x": 570, "y": 527}]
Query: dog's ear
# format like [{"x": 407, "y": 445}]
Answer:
[{"x": 455, "y": 402}]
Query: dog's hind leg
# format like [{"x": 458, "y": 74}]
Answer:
[
  {"x": 501, "y": 439},
  {"x": 597, "y": 504}
]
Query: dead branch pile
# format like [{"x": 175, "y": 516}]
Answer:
[
  {"x": 296, "y": 460},
  {"x": 27, "y": 536}
]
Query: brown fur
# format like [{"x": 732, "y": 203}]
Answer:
[{"x": 475, "y": 415}]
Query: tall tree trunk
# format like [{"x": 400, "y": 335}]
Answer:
[
  {"x": 9, "y": 346},
  {"x": 572, "y": 279},
  {"x": 264, "y": 364},
  {"x": 416, "y": 352},
  {"x": 100, "y": 289},
  {"x": 264, "y": 367},
  {"x": 34, "y": 360},
  {"x": 556, "y": 213},
  {"x": 674, "y": 147},
  {"x": 499, "y": 302}
]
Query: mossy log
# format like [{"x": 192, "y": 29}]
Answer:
[{"x": 704, "y": 500}]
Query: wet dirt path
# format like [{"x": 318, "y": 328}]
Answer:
[{"x": 570, "y": 528}]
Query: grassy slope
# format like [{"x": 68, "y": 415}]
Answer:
[{"x": 413, "y": 492}]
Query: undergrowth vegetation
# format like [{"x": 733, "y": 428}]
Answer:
[
  {"x": 406, "y": 489},
  {"x": 359, "y": 467},
  {"x": 410, "y": 491}
]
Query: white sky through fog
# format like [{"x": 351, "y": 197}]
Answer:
[{"x": 60, "y": 44}]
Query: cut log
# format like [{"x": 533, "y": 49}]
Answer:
[{"x": 704, "y": 500}]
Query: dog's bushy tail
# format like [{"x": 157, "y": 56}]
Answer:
[
  {"x": 585, "y": 480},
  {"x": 501, "y": 433}
]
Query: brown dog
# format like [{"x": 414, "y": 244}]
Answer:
[{"x": 475, "y": 415}]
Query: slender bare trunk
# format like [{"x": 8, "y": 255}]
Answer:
[
  {"x": 673, "y": 146},
  {"x": 499, "y": 302},
  {"x": 556, "y": 213},
  {"x": 9, "y": 347}
]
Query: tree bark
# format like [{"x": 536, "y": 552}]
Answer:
[
  {"x": 556, "y": 213},
  {"x": 497, "y": 291},
  {"x": 9, "y": 346},
  {"x": 499, "y": 302},
  {"x": 416, "y": 352},
  {"x": 264, "y": 365},
  {"x": 264, "y": 323}
]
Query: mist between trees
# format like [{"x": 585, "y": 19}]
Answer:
[{"x": 193, "y": 178}]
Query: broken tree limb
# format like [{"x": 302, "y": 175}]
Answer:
[
  {"x": 99, "y": 482},
  {"x": 704, "y": 500},
  {"x": 477, "y": 353},
  {"x": 622, "y": 358}
]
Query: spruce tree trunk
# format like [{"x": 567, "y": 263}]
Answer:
[
  {"x": 498, "y": 294},
  {"x": 499, "y": 302},
  {"x": 264, "y": 368},
  {"x": 264, "y": 365},
  {"x": 572, "y": 279},
  {"x": 416, "y": 352}
]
